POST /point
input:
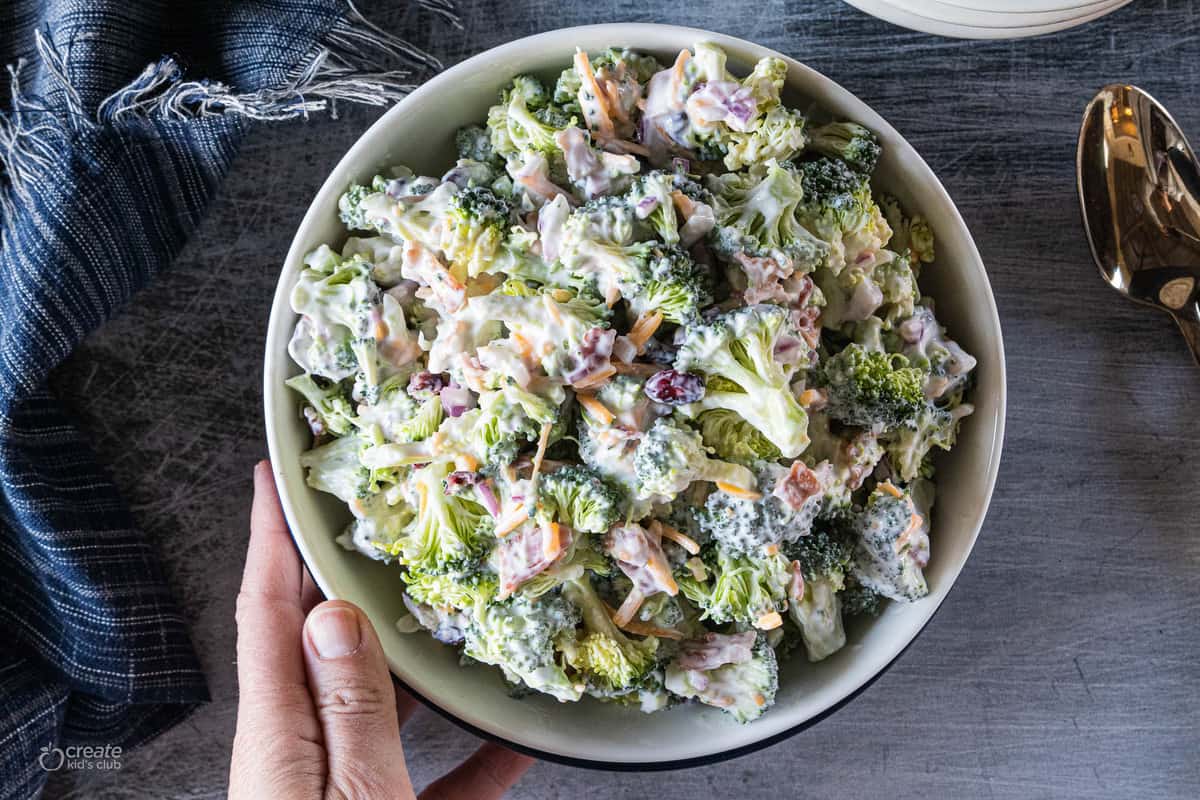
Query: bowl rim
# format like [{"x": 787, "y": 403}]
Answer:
[{"x": 275, "y": 348}]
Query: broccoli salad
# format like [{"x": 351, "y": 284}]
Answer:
[{"x": 640, "y": 395}]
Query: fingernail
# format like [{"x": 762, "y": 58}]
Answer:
[{"x": 334, "y": 632}]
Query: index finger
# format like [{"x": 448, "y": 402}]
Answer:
[
  {"x": 269, "y": 614},
  {"x": 272, "y": 565}
]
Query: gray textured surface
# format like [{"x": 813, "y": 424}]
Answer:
[{"x": 1065, "y": 662}]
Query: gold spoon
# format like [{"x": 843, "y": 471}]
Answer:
[{"x": 1139, "y": 185}]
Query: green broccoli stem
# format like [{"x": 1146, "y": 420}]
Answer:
[{"x": 723, "y": 472}]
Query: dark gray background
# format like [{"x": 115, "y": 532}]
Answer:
[{"x": 1066, "y": 662}]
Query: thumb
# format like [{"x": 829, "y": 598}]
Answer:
[{"x": 355, "y": 702}]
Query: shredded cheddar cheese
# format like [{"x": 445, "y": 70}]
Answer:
[
  {"x": 769, "y": 621},
  {"x": 595, "y": 408},
  {"x": 737, "y": 491}
]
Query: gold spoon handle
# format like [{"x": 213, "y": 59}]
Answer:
[{"x": 1190, "y": 329}]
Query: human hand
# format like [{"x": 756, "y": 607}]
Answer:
[{"x": 318, "y": 716}]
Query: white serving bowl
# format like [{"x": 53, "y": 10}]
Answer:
[{"x": 419, "y": 131}]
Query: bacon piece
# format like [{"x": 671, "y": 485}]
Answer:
[
  {"x": 798, "y": 486},
  {"x": 716, "y": 650}
]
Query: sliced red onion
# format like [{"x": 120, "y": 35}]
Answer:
[
  {"x": 487, "y": 496},
  {"x": 681, "y": 165},
  {"x": 646, "y": 206},
  {"x": 456, "y": 400}
]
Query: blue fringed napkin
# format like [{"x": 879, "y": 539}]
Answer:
[{"x": 106, "y": 166}]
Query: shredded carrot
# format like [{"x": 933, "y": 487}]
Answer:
[
  {"x": 808, "y": 396},
  {"x": 887, "y": 486},
  {"x": 677, "y": 68},
  {"x": 633, "y": 601},
  {"x": 769, "y": 621},
  {"x": 644, "y": 328},
  {"x": 679, "y": 538},
  {"x": 552, "y": 308},
  {"x": 604, "y": 125},
  {"x": 466, "y": 462},
  {"x": 646, "y": 629},
  {"x": 596, "y": 378},
  {"x": 595, "y": 408},
  {"x": 543, "y": 442},
  {"x": 658, "y": 567},
  {"x": 511, "y": 520},
  {"x": 771, "y": 549},
  {"x": 641, "y": 628},
  {"x": 737, "y": 491},
  {"x": 914, "y": 525},
  {"x": 523, "y": 345}
]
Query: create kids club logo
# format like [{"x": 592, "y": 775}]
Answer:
[{"x": 106, "y": 756}]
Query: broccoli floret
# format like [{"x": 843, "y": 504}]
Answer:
[
  {"x": 650, "y": 198},
  {"x": 450, "y": 533},
  {"x": 328, "y": 402},
  {"x": 838, "y": 207},
  {"x": 525, "y": 120},
  {"x": 460, "y": 592},
  {"x": 848, "y": 141},
  {"x": 467, "y": 173},
  {"x": 377, "y": 526},
  {"x": 350, "y": 204},
  {"x": 575, "y": 315},
  {"x": 475, "y": 225},
  {"x": 860, "y": 601},
  {"x": 673, "y": 285},
  {"x": 765, "y": 82},
  {"x": 873, "y": 389},
  {"x": 519, "y": 635},
  {"x": 734, "y": 439},
  {"x": 505, "y": 421},
  {"x": 909, "y": 446},
  {"x": 744, "y": 690},
  {"x": 747, "y": 525},
  {"x": 580, "y": 498},
  {"x": 335, "y": 468},
  {"x": 898, "y": 284},
  {"x": 421, "y": 425},
  {"x": 398, "y": 416},
  {"x": 817, "y": 612},
  {"x": 738, "y": 348},
  {"x": 908, "y": 234},
  {"x": 776, "y": 135},
  {"x": 608, "y": 660},
  {"x": 825, "y": 552},
  {"x": 670, "y": 457},
  {"x": 893, "y": 546},
  {"x": 343, "y": 300},
  {"x": 740, "y": 588},
  {"x": 756, "y": 217},
  {"x": 475, "y": 143},
  {"x": 418, "y": 221}
]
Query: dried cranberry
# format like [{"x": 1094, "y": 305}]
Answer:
[
  {"x": 432, "y": 382},
  {"x": 673, "y": 388}
]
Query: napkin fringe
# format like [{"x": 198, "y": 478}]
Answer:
[{"x": 338, "y": 68}]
